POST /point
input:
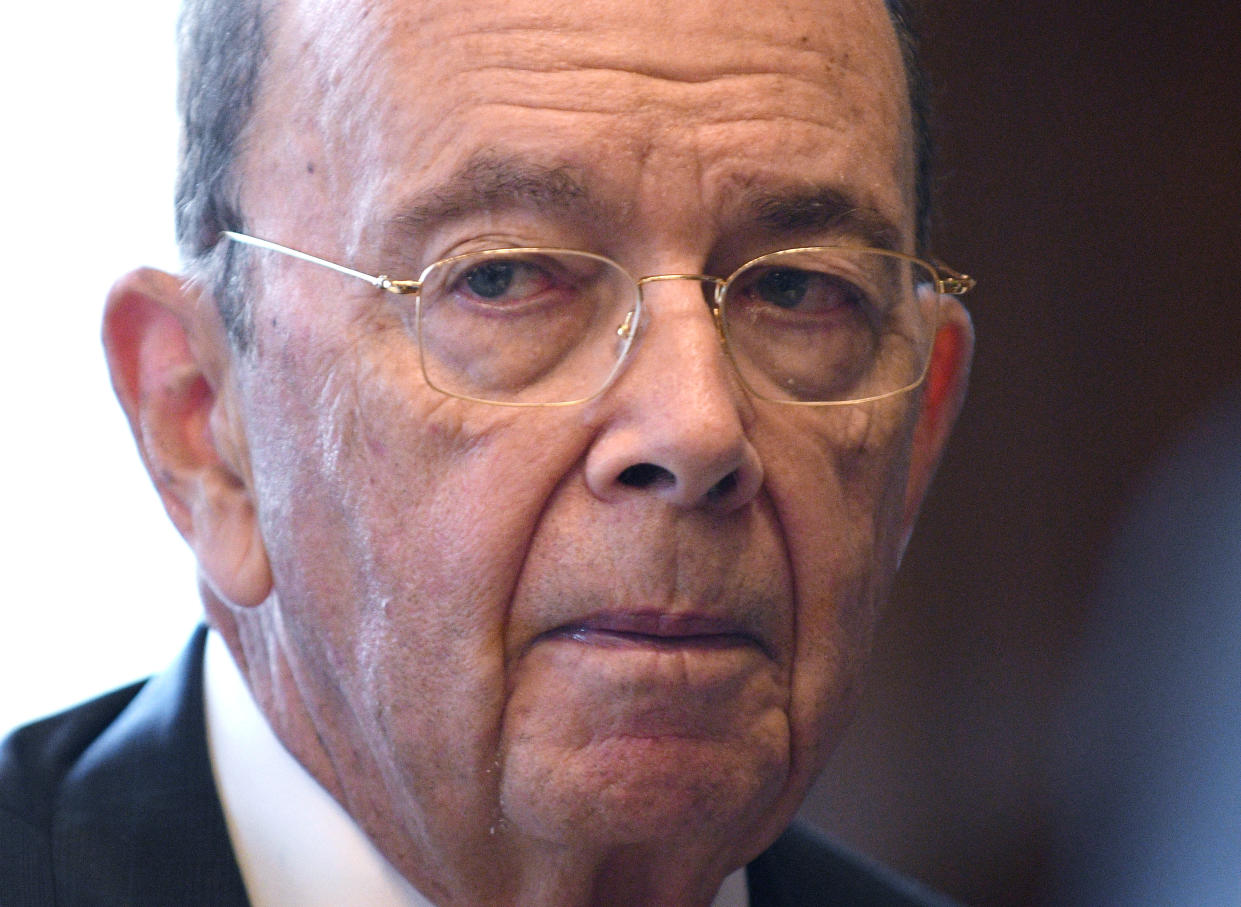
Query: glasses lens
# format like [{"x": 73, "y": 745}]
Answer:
[
  {"x": 525, "y": 326},
  {"x": 829, "y": 325}
]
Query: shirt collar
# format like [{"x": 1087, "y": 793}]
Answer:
[{"x": 294, "y": 843}]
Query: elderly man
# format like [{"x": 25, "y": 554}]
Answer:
[{"x": 548, "y": 404}]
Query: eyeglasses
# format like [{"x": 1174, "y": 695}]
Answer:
[{"x": 815, "y": 326}]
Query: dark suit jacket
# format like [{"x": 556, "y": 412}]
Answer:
[{"x": 113, "y": 803}]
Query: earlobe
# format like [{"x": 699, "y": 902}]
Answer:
[
  {"x": 169, "y": 367},
  {"x": 942, "y": 397}
]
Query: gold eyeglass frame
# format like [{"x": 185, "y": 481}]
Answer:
[{"x": 947, "y": 282}]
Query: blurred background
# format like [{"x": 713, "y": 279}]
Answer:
[{"x": 1089, "y": 175}]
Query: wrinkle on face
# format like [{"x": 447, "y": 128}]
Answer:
[
  {"x": 616, "y": 89},
  {"x": 850, "y": 542}
]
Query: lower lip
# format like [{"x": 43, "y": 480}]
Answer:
[{"x": 621, "y": 683}]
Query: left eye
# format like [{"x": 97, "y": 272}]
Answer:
[{"x": 806, "y": 291}]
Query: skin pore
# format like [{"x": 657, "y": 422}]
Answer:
[{"x": 545, "y": 656}]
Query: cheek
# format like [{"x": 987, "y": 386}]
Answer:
[
  {"x": 397, "y": 522},
  {"x": 379, "y": 490},
  {"x": 840, "y": 506}
]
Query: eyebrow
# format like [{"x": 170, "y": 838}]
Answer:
[
  {"x": 487, "y": 183},
  {"x": 819, "y": 210},
  {"x": 490, "y": 182}
]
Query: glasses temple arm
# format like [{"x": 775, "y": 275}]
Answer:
[{"x": 382, "y": 281}]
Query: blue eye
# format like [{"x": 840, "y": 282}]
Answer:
[
  {"x": 783, "y": 287},
  {"x": 805, "y": 290},
  {"x": 490, "y": 280},
  {"x": 507, "y": 280}
]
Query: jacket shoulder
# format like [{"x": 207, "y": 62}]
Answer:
[
  {"x": 34, "y": 762},
  {"x": 113, "y": 802}
]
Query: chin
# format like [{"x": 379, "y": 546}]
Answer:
[{"x": 631, "y": 791}]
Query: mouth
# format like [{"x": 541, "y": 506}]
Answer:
[
  {"x": 651, "y": 675},
  {"x": 657, "y": 631}
]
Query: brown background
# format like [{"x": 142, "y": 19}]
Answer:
[{"x": 1090, "y": 176}]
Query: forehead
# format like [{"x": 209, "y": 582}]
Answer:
[{"x": 372, "y": 103}]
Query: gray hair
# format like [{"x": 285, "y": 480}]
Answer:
[{"x": 222, "y": 46}]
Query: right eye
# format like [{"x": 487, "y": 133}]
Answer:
[{"x": 504, "y": 280}]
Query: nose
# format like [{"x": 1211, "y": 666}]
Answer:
[{"x": 675, "y": 422}]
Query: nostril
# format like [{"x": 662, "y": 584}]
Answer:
[
  {"x": 724, "y": 487},
  {"x": 646, "y": 475}
]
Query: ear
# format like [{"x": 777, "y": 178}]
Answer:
[
  {"x": 942, "y": 396},
  {"x": 170, "y": 367}
]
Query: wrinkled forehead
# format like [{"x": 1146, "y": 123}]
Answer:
[{"x": 362, "y": 99}]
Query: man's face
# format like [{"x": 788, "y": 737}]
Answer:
[{"x": 619, "y": 634}]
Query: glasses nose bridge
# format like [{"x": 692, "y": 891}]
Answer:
[
  {"x": 716, "y": 282},
  {"x": 713, "y": 302}
]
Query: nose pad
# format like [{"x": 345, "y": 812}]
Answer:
[{"x": 712, "y": 291}]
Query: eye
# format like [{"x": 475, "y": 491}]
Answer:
[
  {"x": 504, "y": 280},
  {"x": 806, "y": 291}
]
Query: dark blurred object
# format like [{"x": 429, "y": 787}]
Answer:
[{"x": 1090, "y": 177}]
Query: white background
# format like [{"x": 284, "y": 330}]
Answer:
[{"x": 97, "y": 588}]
